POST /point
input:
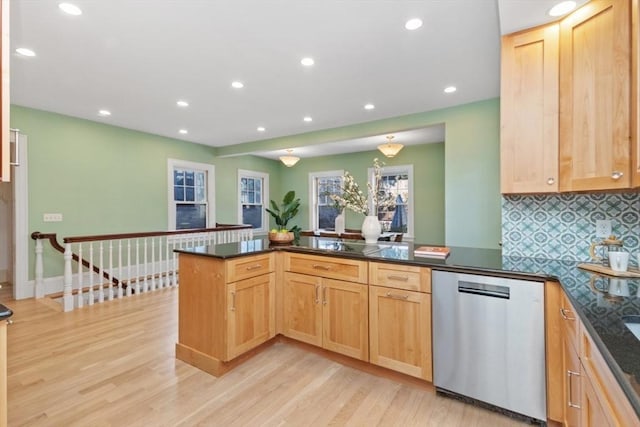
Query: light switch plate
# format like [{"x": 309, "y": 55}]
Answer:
[
  {"x": 603, "y": 228},
  {"x": 52, "y": 217}
]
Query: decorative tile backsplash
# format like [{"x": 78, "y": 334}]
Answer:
[{"x": 562, "y": 226}]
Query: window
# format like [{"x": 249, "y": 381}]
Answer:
[
  {"x": 398, "y": 181},
  {"x": 321, "y": 186},
  {"x": 254, "y": 193},
  {"x": 191, "y": 195}
]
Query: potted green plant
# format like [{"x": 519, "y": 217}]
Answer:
[{"x": 282, "y": 214}]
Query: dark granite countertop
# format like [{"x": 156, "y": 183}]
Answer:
[{"x": 603, "y": 303}]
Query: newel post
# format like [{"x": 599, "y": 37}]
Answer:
[
  {"x": 39, "y": 286},
  {"x": 67, "y": 294}
]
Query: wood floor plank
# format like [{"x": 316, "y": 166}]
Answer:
[{"x": 114, "y": 364}]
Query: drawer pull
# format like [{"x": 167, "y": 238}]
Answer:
[
  {"x": 321, "y": 267},
  {"x": 317, "y": 294},
  {"x": 563, "y": 312},
  {"x": 397, "y": 296},
  {"x": 616, "y": 175},
  {"x": 398, "y": 278},
  {"x": 570, "y": 393},
  {"x": 254, "y": 267}
]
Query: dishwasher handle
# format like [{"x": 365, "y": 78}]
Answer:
[{"x": 483, "y": 289}]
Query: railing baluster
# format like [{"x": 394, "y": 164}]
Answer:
[
  {"x": 138, "y": 266},
  {"x": 91, "y": 274},
  {"x": 80, "y": 279},
  {"x": 128, "y": 293},
  {"x": 120, "y": 277},
  {"x": 145, "y": 285},
  {"x": 67, "y": 294},
  {"x": 110, "y": 272},
  {"x": 101, "y": 275},
  {"x": 39, "y": 287},
  {"x": 167, "y": 262},
  {"x": 153, "y": 265}
]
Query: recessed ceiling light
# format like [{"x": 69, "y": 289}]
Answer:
[
  {"x": 183, "y": 131},
  {"x": 562, "y": 8},
  {"x": 261, "y": 129},
  {"x": 413, "y": 24},
  {"x": 369, "y": 106},
  {"x": 104, "y": 113},
  {"x": 308, "y": 119},
  {"x": 307, "y": 62},
  {"x": 450, "y": 89},
  {"x": 25, "y": 52},
  {"x": 71, "y": 9},
  {"x": 182, "y": 103},
  {"x": 237, "y": 85}
]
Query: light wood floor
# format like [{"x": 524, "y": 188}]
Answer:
[{"x": 113, "y": 365}]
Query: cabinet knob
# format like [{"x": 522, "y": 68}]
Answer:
[
  {"x": 550, "y": 180},
  {"x": 616, "y": 175}
]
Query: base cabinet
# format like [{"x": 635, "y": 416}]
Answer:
[
  {"x": 327, "y": 313},
  {"x": 400, "y": 331},
  {"x": 3, "y": 373}
]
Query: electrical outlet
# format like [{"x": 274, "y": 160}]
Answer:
[
  {"x": 52, "y": 217},
  {"x": 603, "y": 228}
]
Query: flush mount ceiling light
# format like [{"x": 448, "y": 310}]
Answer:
[
  {"x": 182, "y": 103},
  {"x": 307, "y": 62},
  {"x": 450, "y": 89},
  {"x": 562, "y": 8},
  {"x": 261, "y": 129},
  {"x": 308, "y": 119},
  {"x": 183, "y": 131},
  {"x": 390, "y": 149},
  {"x": 413, "y": 24},
  {"x": 104, "y": 113},
  {"x": 369, "y": 106},
  {"x": 70, "y": 9},
  {"x": 25, "y": 52},
  {"x": 237, "y": 85},
  {"x": 289, "y": 160}
]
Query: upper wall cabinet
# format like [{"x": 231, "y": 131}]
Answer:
[
  {"x": 595, "y": 97},
  {"x": 5, "y": 169},
  {"x": 635, "y": 98},
  {"x": 529, "y": 111}
]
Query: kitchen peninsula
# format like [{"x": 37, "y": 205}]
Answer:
[{"x": 319, "y": 291}]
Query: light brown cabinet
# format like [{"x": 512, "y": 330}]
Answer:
[
  {"x": 400, "y": 318},
  {"x": 569, "y": 102},
  {"x": 324, "y": 311},
  {"x": 3, "y": 373},
  {"x": 571, "y": 368},
  {"x": 595, "y": 116},
  {"x": 5, "y": 169},
  {"x": 529, "y": 111},
  {"x": 234, "y": 298}
]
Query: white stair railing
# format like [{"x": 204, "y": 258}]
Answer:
[{"x": 136, "y": 262}]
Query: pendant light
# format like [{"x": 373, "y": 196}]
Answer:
[
  {"x": 289, "y": 160},
  {"x": 390, "y": 149}
]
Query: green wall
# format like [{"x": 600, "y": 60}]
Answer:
[
  {"x": 428, "y": 174},
  {"x": 471, "y": 162}
]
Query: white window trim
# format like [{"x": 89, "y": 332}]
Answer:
[
  {"x": 171, "y": 204},
  {"x": 243, "y": 173},
  {"x": 408, "y": 169},
  {"x": 313, "y": 196}
]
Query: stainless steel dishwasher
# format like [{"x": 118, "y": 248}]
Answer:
[{"x": 488, "y": 341}]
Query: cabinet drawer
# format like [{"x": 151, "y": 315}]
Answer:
[
  {"x": 570, "y": 321},
  {"x": 329, "y": 267},
  {"x": 246, "y": 267},
  {"x": 406, "y": 277}
]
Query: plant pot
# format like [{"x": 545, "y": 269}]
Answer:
[
  {"x": 339, "y": 223},
  {"x": 371, "y": 229},
  {"x": 279, "y": 237}
]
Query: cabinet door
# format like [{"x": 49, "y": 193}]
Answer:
[
  {"x": 592, "y": 413},
  {"x": 3, "y": 374},
  {"x": 251, "y": 309},
  {"x": 529, "y": 111},
  {"x": 302, "y": 308},
  {"x": 345, "y": 318},
  {"x": 400, "y": 331},
  {"x": 595, "y": 52},
  {"x": 5, "y": 169},
  {"x": 572, "y": 382}
]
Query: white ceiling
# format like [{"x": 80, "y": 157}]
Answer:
[{"x": 136, "y": 58}]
